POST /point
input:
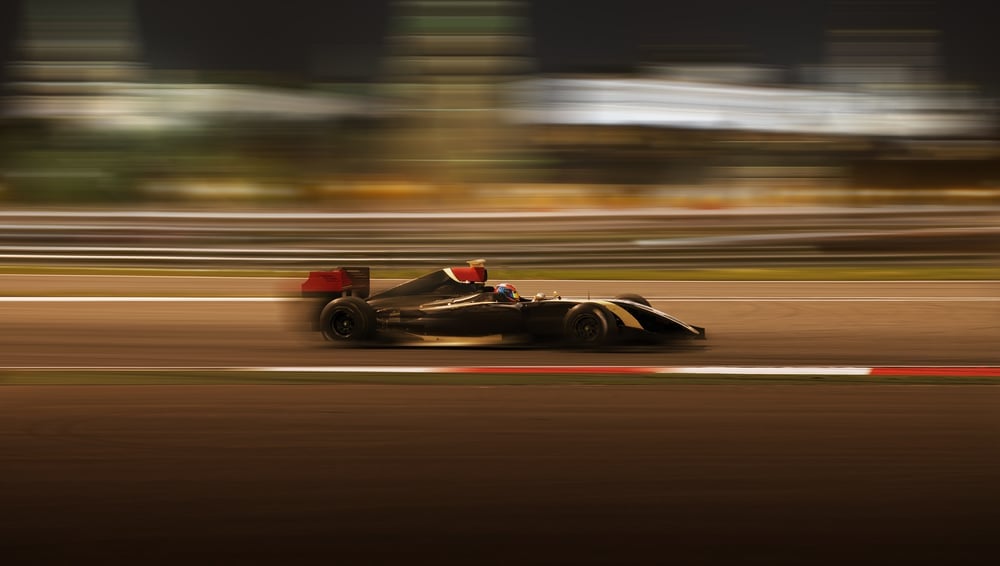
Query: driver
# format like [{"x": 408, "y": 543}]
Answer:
[{"x": 506, "y": 293}]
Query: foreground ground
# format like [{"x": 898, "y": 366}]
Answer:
[
  {"x": 438, "y": 474},
  {"x": 660, "y": 470}
]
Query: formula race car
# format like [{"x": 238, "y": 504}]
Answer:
[{"x": 455, "y": 305}]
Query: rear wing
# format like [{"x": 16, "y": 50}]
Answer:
[{"x": 339, "y": 282}]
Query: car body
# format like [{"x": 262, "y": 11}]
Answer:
[{"x": 455, "y": 305}]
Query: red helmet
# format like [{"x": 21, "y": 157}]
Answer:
[{"x": 507, "y": 292}]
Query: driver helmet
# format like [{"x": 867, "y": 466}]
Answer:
[{"x": 507, "y": 292}]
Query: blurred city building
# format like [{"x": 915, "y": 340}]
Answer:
[
  {"x": 90, "y": 120},
  {"x": 76, "y": 60},
  {"x": 447, "y": 76},
  {"x": 458, "y": 113},
  {"x": 80, "y": 62},
  {"x": 876, "y": 117}
]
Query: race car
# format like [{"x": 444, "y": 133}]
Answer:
[{"x": 454, "y": 305}]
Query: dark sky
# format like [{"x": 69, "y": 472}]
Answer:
[{"x": 344, "y": 38}]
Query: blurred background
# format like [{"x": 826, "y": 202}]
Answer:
[{"x": 661, "y": 114}]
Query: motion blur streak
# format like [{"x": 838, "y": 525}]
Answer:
[
  {"x": 816, "y": 182},
  {"x": 615, "y": 239},
  {"x": 460, "y": 105}
]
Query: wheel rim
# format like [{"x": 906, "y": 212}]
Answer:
[
  {"x": 342, "y": 324},
  {"x": 587, "y": 328}
]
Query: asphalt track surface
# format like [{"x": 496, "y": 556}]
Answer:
[
  {"x": 682, "y": 473},
  {"x": 748, "y": 323}
]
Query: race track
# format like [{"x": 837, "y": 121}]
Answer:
[
  {"x": 224, "y": 322},
  {"x": 666, "y": 472}
]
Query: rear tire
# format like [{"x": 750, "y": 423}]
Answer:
[
  {"x": 347, "y": 320},
  {"x": 591, "y": 326},
  {"x": 635, "y": 299}
]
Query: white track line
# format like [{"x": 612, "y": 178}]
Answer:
[
  {"x": 150, "y": 299},
  {"x": 848, "y": 371},
  {"x": 826, "y": 299},
  {"x": 222, "y": 369},
  {"x": 147, "y": 299},
  {"x": 731, "y": 370}
]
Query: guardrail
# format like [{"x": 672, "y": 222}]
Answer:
[{"x": 649, "y": 239}]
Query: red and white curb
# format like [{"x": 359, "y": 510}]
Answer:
[
  {"x": 941, "y": 371},
  {"x": 849, "y": 371}
]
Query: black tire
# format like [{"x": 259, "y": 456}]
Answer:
[
  {"x": 590, "y": 325},
  {"x": 347, "y": 319},
  {"x": 635, "y": 299}
]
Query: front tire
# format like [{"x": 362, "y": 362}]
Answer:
[
  {"x": 347, "y": 320},
  {"x": 590, "y": 325}
]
